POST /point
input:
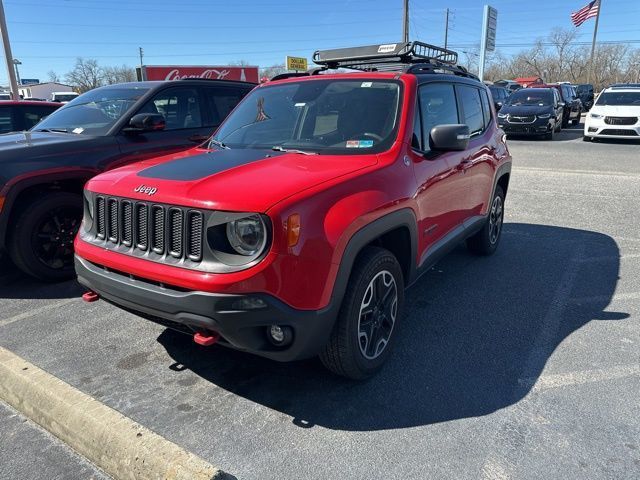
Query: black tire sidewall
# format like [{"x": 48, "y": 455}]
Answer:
[
  {"x": 28, "y": 218},
  {"x": 350, "y": 312}
]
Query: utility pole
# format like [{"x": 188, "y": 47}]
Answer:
[
  {"x": 405, "y": 22},
  {"x": 7, "y": 53},
  {"x": 446, "y": 30},
  {"x": 142, "y": 75},
  {"x": 593, "y": 44},
  {"x": 17, "y": 62}
]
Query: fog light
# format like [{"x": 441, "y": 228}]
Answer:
[
  {"x": 280, "y": 336},
  {"x": 593, "y": 129}
]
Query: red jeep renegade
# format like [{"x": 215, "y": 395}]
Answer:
[{"x": 295, "y": 230}]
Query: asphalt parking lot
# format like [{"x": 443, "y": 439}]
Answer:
[{"x": 521, "y": 365}]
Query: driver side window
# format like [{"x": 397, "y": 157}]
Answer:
[
  {"x": 438, "y": 106},
  {"x": 179, "y": 106}
]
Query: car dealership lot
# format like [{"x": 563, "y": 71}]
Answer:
[{"x": 520, "y": 365}]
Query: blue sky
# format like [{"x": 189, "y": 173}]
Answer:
[{"x": 50, "y": 34}]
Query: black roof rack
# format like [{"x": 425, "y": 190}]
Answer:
[
  {"x": 385, "y": 57},
  {"x": 409, "y": 57},
  {"x": 625, "y": 85}
]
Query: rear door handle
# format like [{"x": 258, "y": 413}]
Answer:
[{"x": 197, "y": 138}]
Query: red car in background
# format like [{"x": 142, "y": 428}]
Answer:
[{"x": 21, "y": 115}]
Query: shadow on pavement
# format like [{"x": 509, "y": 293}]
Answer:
[
  {"x": 567, "y": 134},
  {"x": 477, "y": 333}
]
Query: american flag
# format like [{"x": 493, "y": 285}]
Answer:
[{"x": 585, "y": 13}]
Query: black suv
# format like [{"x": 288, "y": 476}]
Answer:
[
  {"x": 42, "y": 171},
  {"x": 585, "y": 94}
]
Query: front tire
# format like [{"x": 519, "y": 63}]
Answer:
[
  {"x": 41, "y": 244},
  {"x": 486, "y": 240},
  {"x": 364, "y": 331}
]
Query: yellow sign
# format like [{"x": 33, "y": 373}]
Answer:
[{"x": 296, "y": 63}]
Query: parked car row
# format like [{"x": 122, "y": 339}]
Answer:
[{"x": 615, "y": 114}]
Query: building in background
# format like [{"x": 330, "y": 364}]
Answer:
[{"x": 43, "y": 90}]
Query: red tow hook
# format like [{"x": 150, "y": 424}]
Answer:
[
  {"x": 90, "y": 296},
  {"x": 206, "y": 340}
]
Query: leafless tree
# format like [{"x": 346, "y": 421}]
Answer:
[
  {"x": 53, "y": 76},
  {"x": 86, "y": 75},
  {"x": 118, "y": 74}
]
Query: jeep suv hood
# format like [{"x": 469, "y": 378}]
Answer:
[{"x": 237, "y": 180}]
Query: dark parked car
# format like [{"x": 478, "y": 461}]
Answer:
[
  {"x": 585, "y": 94},
  {"x": 23, "y": 115},
  {"x": 499, "y": 95},
  {"x": 572, "y": 106},
  {"x": 510, "y": 85},
  {"x": 42, "y": 171},
  {"x": 532, "y": 111}
]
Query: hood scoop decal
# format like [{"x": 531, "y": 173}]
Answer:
[{"x": 200, "y": 166}]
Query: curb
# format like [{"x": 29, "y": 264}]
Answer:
[{"x": 121, "y": 447}]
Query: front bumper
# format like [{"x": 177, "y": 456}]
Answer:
[
  {"x": 596, "y": 127},
  {"x": 539, "y": 127},
  {"x": 234, "y": 317}
]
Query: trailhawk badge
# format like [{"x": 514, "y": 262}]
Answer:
[{"x": 146, "y": 190}]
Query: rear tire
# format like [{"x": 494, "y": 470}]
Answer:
[
  {"x": 587, "y": 139},
  {"x": 486, "y": 240},
  {"x": 41, "y": 244},
  {"x": 549, "y": 135},
  {"x": 365, "y": 328}
]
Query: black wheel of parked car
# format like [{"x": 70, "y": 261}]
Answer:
[
  {"x": 576, "y": 121},
  {"x": 41, "y": 243},
  {"x": 363, "y": 334},
  {"x": 486, "y": 240},
  {"x": 558, "y": 127},
  {"x": 565, "y": 121},
  {"x": 587, "y": 139}
]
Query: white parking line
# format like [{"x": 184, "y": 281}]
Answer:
[
  {"x": 545, "y": 382},
  {"x": 37, "y": 311},
  {"x": 576, "y": 172}
]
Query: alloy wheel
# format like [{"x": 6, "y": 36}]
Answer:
[
  {"x": 378, "y": 312},
  {"x": 495, "y": 220}
]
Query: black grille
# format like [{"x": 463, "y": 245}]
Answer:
[
  {"x": 194, "y": 243},
  {"x": 522, "y": 119},
  {"x": 143, "y": 226},
  {"x": 101, "y": 216},
  {"x": 618, "y": 131},
  {"x": 112, "y": 214},
  {"x": 620, "y": 120},
  {"x": 176, "y": 227},
  {"x": 157, "y": 229}
]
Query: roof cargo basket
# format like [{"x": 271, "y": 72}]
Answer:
[{"x": 385, "y": 57}]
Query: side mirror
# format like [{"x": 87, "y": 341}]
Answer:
[
  {"x": 146, "y": 122},
  {"x": 449, "y": 138},
  {"x": 561, "y": 104},
  {"x": 498, "y": 105}
]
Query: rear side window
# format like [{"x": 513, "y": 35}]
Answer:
[
  {"x": 437, "y": 107},
  {"x": 472, "y": 108},
  {"x": 6, "y": 124},
  {"x": 221, "y": 101}
]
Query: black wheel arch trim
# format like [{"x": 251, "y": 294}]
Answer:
[
  {"x": 403, "y": 218},
  {"x": 12, "y": 191}
]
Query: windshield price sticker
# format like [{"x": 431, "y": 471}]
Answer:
[
  {"x": 359, "y": 143},
  {"x": 366, "y": 84}
]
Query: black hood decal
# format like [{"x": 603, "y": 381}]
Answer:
[{"x": 200, "y": 166}]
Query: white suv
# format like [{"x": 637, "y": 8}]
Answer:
[{"x": 615, "y": 114}]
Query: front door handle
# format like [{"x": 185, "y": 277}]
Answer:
[{"x": 198, "y": 138}]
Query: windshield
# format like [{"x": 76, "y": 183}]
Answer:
[
  {"x": 93, "y": 113},
  {"x": 531, "y": 97},
  {"x": 322, "y": 116},
  {"x": 619, "y": 98}
]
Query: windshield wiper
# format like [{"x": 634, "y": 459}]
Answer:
[
  {"x": 278, "y": 148},
  {"x": 218, "y": 143},
  {"x": 55, "y": 130}
]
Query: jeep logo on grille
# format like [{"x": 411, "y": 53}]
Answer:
[{"x": 146, "y": 190}]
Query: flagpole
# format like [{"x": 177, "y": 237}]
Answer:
[{"x": 593, "y": 44}]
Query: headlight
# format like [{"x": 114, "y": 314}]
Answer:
[
  {"x": 546, "y": 115},
  {"x": 595, "y": 115},
  {"x": 502, "y": 115},
  {"x": 248, "y": 235}
]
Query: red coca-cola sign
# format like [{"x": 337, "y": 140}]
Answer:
[{"x": 178, "y": 72}]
